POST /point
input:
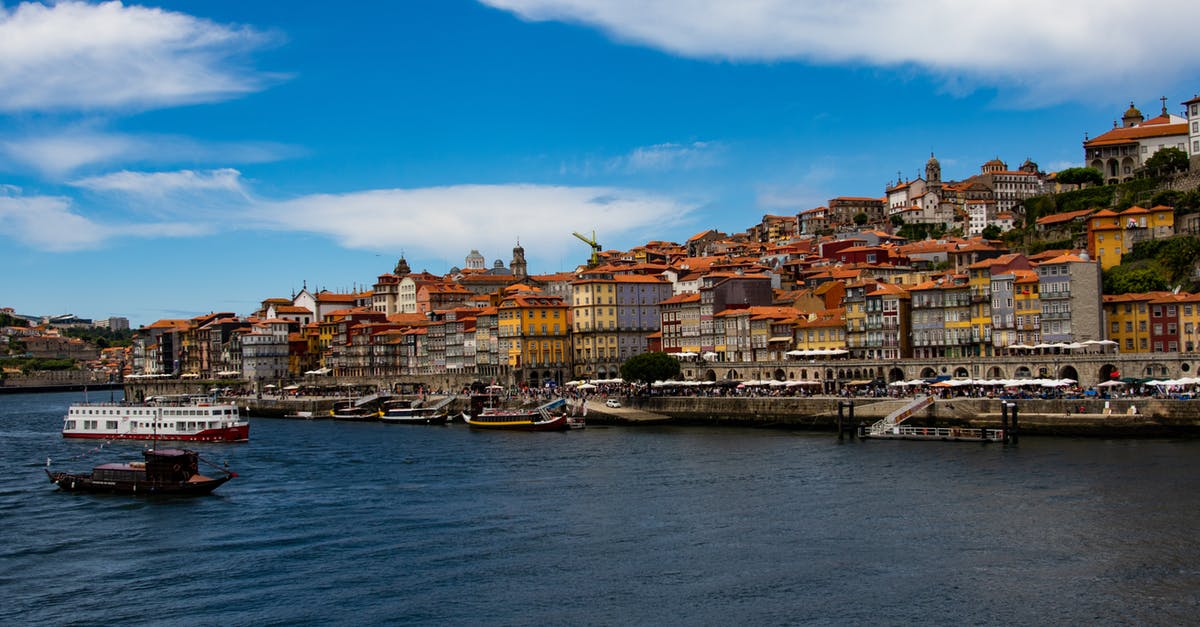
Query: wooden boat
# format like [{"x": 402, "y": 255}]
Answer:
[
  {"x": 164, "y": 472},
  {"x": 347, "y": 410},
  {"x": 402, "y": 412},
  {"x": 183, "y": 418},
  {"x": 537, "y": 419}
]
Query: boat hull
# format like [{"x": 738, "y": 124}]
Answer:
[
  {"x": 196, "y": 486},
  {"x": 239, "y": 433},
  {"x": 517, "y": 422},
  {"x": 356, "y": 417},
  {"x": 164, "y": 421},
  {"x": 439, "y": 419}
]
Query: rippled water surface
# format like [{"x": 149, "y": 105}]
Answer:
[{"x": 344, "y": 523}]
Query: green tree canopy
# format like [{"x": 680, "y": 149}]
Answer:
[
  {"x": 1135, "y": 278},
  {"x": 991, "y": 231},
  {"x": 650, "y": 367},
  {"x": 1080, "y": 176},
  {"x": 1178, "y": 258},
  {"x": 1166, "y": 161},
  {"x": 860, "y": 219}
]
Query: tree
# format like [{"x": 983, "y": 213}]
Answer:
[
  {"x": 1178, "y": 258},
  {"x": 991, "y": 231},
  {"x": 1080, "y": 176},
  {"x": 860, "y": 219},
  {"x": 896, "y": 220},
  {"x": 1135, "y": 278},
  {"x": 1166, "y": 161},
  {"x": 650, "y": 367}
]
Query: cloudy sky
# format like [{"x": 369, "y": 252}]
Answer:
[{"x": 166, "y": 160}]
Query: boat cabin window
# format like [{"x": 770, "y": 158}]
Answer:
[
  {"x": 89, "y": 424},
  {"x": 70, "y": 424},
  {"x": 110, "y": 424}
]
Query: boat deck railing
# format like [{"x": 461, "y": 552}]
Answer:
[{"x": 940, "y": 433}]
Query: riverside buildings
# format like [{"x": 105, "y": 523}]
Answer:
[
  {"x": 982, "y": 303},
  {"x": 813, "y": 285}
]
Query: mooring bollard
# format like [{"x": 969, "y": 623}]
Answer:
[
  {"x": 1015, "y": 429},
  {"x": 845, "y": 419},
  {"x": 1004, "y": 419}
]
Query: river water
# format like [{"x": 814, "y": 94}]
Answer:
[{"x": 341, "y": 523}]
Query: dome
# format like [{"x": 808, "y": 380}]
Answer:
[
  {"x": 1132, "y": 112},
  {"x": 932, "y": 160}
]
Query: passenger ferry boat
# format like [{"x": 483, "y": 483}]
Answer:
[{"x": 188, "y": 419}]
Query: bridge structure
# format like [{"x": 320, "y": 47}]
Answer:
[{"x": 830, "y": 375}]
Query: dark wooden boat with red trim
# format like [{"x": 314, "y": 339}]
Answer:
[{"x": 168, "y": 471}]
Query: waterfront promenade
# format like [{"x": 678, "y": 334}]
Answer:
[{"x": 1124, "y": 417}]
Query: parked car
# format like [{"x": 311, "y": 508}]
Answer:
[{"x": 612, "y": 402}]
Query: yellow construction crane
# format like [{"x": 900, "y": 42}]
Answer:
[{"x": 595, "y": 259}]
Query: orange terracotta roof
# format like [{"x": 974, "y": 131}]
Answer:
[
  {"x": 681, "y": 298},
  {"x": 1134, "y": 133}
]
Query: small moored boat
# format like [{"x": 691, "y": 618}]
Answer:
[
  {"x": 348, "y": 410},
  {"x": 403, "y": 412},
  {"x": 164, "y": 472}
]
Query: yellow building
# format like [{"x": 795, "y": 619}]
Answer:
[
  {"x": 1027, "y": 308},
  {"x": 534, "y": 333},
  {"x": 825, "y": 330},
  {"x": 594, "y": 328},
  {"x": 1189, "y": 323},
  {"x": 1128, "y": 320},
  {"x": 855, "y": 301},
  {"x": 1111, "y": 235}
]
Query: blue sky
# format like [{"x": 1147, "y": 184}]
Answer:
[{"x": 166, "y": 160}]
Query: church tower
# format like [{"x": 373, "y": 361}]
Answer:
[
  {"x": 1132, "y": 117},
  {"x": 402, "y": 268},
  {"x": 518, "y": 266},
  {"x": 933, "y": 172}
]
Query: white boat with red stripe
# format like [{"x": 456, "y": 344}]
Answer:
[{"x": 187, "y": 419}]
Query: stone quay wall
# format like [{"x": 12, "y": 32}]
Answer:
[{"x": 1128, "y": 417}]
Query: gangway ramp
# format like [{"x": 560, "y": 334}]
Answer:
[{"x": 892, "y": 420}]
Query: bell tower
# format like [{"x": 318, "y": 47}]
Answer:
[{"x": 517, "y": 266}]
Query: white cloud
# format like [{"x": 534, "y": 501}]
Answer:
[
  {"x": 51, "y": 223},
  {"x": 665, "y": 157},
  {"x": 56, "y": 224},
  {"x": 425, "y": 221},
  {"x": 164, "y": 183},
  {"x": 80, "y": 56},
  {"x": 670, "y": 156},
  {"x": 434, "y": 220},
  {"x": 1046, "y": 51},
  {"x": 47, "y": 223},
  {"x": 65, "y": 151}
]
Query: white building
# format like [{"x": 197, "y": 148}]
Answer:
[
  {"x": 1119, "y": 153},
  {"x": 1193, "y": 116},
  {"x": 265, "y": 351}
]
